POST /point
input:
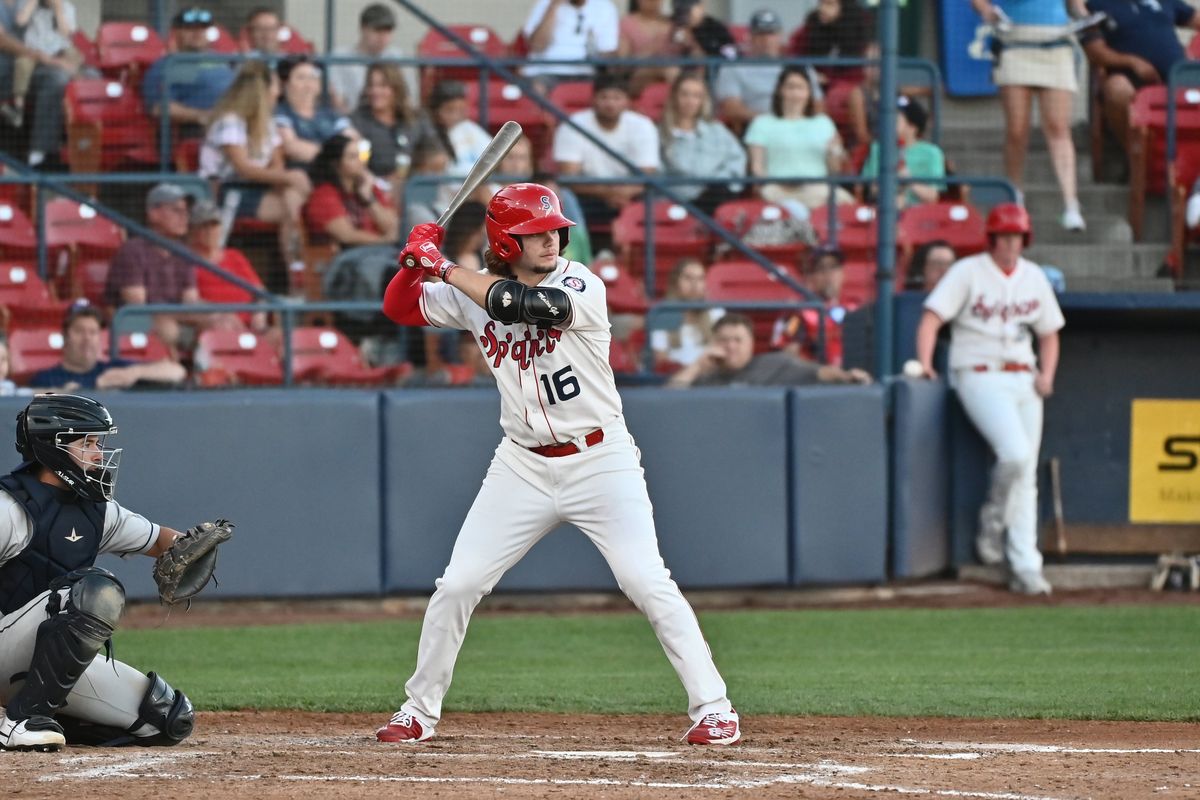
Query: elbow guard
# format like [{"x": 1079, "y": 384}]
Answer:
[
  {"x": 504, "y": 300},
  {"x": 510, "y": 301}
]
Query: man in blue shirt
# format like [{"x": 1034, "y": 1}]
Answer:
[
  {"x": 193, "y": 87},
  {"x": 1136, "y": 47}
]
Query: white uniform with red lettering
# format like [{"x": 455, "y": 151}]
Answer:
[
  {"x": 556, "y": 386},
  {"x": 993, "y": 318}
]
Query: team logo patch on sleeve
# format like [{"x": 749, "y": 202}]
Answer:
[{"x": 574, "y": 283}]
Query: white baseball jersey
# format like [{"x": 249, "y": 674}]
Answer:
[
  {"x": 124, "y": 531},
  {"x": 555, "y": 384},
  {"x": 991, "y": 314}
]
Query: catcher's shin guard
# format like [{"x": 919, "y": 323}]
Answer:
[
  {"x": 165, "y": 718},
  {"x": 69, "y": 640}
]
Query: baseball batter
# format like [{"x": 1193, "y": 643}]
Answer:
[
  {"x": 58, "y": 610},
  {"x": 542, "y": 324},
  {"x": 996, "y": 302}
]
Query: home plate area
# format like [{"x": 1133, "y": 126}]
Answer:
[{"x": 294, "y": 754}]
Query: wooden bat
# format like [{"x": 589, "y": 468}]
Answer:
[{"x": 488, "y": 160}]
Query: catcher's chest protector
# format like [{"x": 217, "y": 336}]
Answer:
[{"x": 66, "y": 536}]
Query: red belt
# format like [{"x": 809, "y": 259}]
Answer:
[
  {"x": 1007, "y": 366},
  {"x": 570, "y": 448}
]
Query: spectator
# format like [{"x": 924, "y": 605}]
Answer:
[
  {"x": 646, "y": 33},
  {"x": 517, "y": 167},
  {"x": 47, "y": 86},
  {"x": 929, "y": 265},
  {"x": 570, "y": 30},
  {"x": 862, "y": 104},
  {"x": 996, "y": 303},
  {"x": 696, "y": 34},
  {"x": 261, "y": 33},
  {"x": 421, "y": 199},
  {"x": 347, "y": 205},
  {"x": 800, "y": 333},
  {"x": 918, "y": 158},
  {"x": 303, "y": 121},
  {"x": 1035, "y": 58},
  {"x": 387, "y": 120},
  {"x": 679, "y": 338},
  {"x": 834, "y": 29},
  {"x": 1136, "y": 48},
  {"x": 376, "y": 25},
  {"x": 462, "y": 136},
  {"x": 696, "y": 145},
  {"x": 794, "y": 141},
  {"x": 83, "y": 367},
  {"x": 624, "y": 131},
  {"x": 48, "y": 26},
  {"x": 7, "y": 387},
  {"x": 745, "y": 90},
  {"x": 464, "y": 244},
  {"x": 243, "y": 145},
  {"x": 730, "y": 361},
  {"x": 192, "y": 87},
  {"x": 204, "y": 237},
  {"x": 145, "y": 273}
]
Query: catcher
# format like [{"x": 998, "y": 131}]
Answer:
[{"x": 58, "y": 610}]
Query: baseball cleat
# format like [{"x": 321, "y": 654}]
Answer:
[
  {"x": 716, "y": 728},
  {"x": 1033, "y": 583},
  {"x": 404, "y": 728},
  {"x": 33, "y": 733}
]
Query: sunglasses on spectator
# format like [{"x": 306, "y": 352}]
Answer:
[{"x": 196, "y": 16}]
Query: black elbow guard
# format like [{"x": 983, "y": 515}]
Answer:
[
  {"x": 504, "y": 299},
  {"x": 545, "y": 306}
]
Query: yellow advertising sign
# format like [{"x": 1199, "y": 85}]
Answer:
[{"x": 1164, "y": 461}]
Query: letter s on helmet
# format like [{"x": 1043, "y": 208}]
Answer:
[
  {"x": 1009, "y": 218},
  {"x": 520, "y": 209},
  {"x": 51, "y": 423}
]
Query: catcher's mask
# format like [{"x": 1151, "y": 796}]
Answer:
[{"x": 55, "y": 430}]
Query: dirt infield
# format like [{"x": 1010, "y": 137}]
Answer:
[{"x": 288, "y": 755}]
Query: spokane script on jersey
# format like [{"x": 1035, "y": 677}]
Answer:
[
  {"x": 523, "y": 350},
  {"x": 1005, "y": 311}
]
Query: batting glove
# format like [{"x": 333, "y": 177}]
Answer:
[
  {"x": 427, "y": 232},
  {"x": 425, "y": 255}
]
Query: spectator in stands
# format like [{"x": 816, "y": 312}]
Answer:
[
  {"x": 387, "y": 120},
  {"x": 82, "y": 366},
  {"x": 47, "y": 87},
  {"x": 304, "y": 121},
  {"x": 745, "y": 90},
  {"x": 204, "y": 237},
  {"x": 261, "y": 33},
  {"x": 1034, "y": 58},
  {"x": 1137, "y": 48},
  {"x": 421, "y": 202},
  {"x": 7, "y": 387},
  {"x": 794, "y": 140},
  {"x": 463, "y": 137},
  {"x": 834, "y": 29},
  {"x": 376, "y": 25},
  {"x": 146, "y": 273},
  {"x": 463, "y": 244},
  {"x": 679, "y": 338},
  {"x": 243, "y": 145},
  {"x": 48, "y": 26},
  {"x": 918, "y": 158},
  {"x": 646, "y": 33},
  {"x": 929, "y": 264},
  {"x": 799, "y": 333},
  {"x": 627, "y": 132},
  {"x": 347, "y": 205},
  {"x": 696, "y": 145},
  {"x": 570, "y": 30},
  {"x": 696, "y": 34},
  {"x": 192, "y": 87},
  {"x": 730, "y": 361}
]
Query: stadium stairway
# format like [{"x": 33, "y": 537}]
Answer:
[{"x": 1104, "y": 258}]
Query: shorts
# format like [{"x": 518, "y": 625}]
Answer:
[
  {"x": 1023, "y": 62},
  {"x": 250, "y": 197}
]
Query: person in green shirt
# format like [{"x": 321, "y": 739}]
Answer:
[{"x": 918, "y": 158}]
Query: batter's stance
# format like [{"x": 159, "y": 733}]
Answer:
[
  {"x": 542, "y": 324},
  {"x": 996, "y": 302}
]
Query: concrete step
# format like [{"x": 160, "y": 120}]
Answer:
[
  {"x": 1112, "y": 262},
  {"x": 970, "y": 135},
  {"x": 1038, "y": 168},
  {"x": 1111, "y": 285},
  {"x": 1043, "y": 200},
  {"x": 1102, "y": 229}
]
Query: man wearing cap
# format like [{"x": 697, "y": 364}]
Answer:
[
  {"x": 143, "y": 272},
  {"x": 744, "y": 90},
  {"x": 800, "y": 333},
  {"x": 918, "y": 158},
  {"x": 570, "y": 30},
  {"x": 376, "y": 25},
  {"x": 192, "y": 87},
  {"x": 82, "y": 366}
]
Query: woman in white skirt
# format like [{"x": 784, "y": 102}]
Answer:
[{"x": 1036, "y": 57}]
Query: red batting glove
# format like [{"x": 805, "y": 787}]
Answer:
[
  {"x": 427, "y": 232},
  {"x": 425, "y": 255}
]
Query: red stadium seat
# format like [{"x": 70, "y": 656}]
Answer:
[
  {"x": 506, "y": 101},
  {"x": 27, "y": 296},
  {"x": 127, "y": 47},
  {"x": 1148, "y": 143},
  {"x": 81, "y": 238},
  {"x": 220, "y": 40},
  {"x": 738, "y": 216},
  {"x": 624, "y": 292},
  {"x": 32, "y": 350},
  {"x": 107, "y": 128},
  {"x": 837, "y": 106},
  {"x": 858, "y": 286},
  {"x": 434, "y": 45},
  {"x": 325, "y": 355},
  {"x": 741, "y": 37},
  {"x": 18, "y": 237},
  {"x": 87, "y": 49},
  {"x": 137, "y": 346},
  {"x": 960, "y": 224},
  {"x": 236, "y": 357},
  {"x": 623, "y": 357},
  {"x": 857, "y": 229},
  {"x": 653, "y": 100},
  {"x": 572, "y": 96},
  {"x": 676, "y": 235},
  {"x": 740, "y": 281}
]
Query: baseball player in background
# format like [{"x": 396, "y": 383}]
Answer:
[
  {"x": 58, "y": 610},
  {"x": 995, "y": 303},
  {"x": 542, "y": 324}
]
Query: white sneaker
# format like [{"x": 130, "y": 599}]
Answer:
[
  {"x": 1072, "y": 220},
  {"x": 1029, "y": 583},
  {"x": 1193, "y": 211},
  {"x": 35, "y": 733}
]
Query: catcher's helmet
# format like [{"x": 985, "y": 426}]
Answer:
[
  {"x": 523, "y": 208},
  {"x": 49, "y": 426},
  {"x": 1009, "y": 218}
]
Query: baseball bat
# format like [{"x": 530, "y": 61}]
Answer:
[{"x": 488, "y": 160}]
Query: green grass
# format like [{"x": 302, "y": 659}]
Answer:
[{"x": 1135, "y": 663}]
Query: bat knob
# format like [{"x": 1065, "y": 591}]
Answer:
[{"x": 410, "y": 262}]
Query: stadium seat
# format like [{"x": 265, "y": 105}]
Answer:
[
  {"x": 27, "y": 297},
  {"x": 623, "y": 357},
  {"x": 186, "y": 155},
  {"x": 837, "y": 106},
  {"x": 1184, "y": 173},
  {"x": 107, "y": 128},
  {"x": 82, "y": 243},
  {"x": 220, "y": 40},
  {"x": 507, "y": 101},
  {"x": 136, "y": 346},
  {"x": 625, "y": 294},
  {"x": 741, "y": 37},
  {"x": 86, "y": 48},
  {"x": 653, "y": 100},
  {"x": 738, "y": 216},
  {"x": 32, "y": 350},
  {"x": 18, "y": 238},
  {"x": 960, "y": 224},
  {"x": 676, "y": 235},
  {"x": 326, "y": 355},
  {"x": 236, "y": 357},
  {"x": 435, "y": 45},
  {"x": 858, "y": 286},
  {"x": 1148, "y": 142},
  {"x": 571, "y": 96},
  {"x": 741, "y": 281},
  {"x": 857, "y": 229},
  {"x": 126, "y": 49}
]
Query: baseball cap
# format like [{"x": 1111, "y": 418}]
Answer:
[
  {"x": 165, "y": 193},
  {"x": 377, "y": 17},
  {"x": 204, "y": 212},
  {"x": 192, "y": 17},
  {"x": 765, "y": 21},
  {"x": 913, "y": 111}
]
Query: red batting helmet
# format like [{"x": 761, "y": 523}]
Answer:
[
  {"x": 1009, "y": 218},
  {"x": 523, "y": 208}
]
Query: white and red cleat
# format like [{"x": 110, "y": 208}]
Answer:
[
  {"x": 716, "y": 728},
  {"x": 404, "y": 728}
]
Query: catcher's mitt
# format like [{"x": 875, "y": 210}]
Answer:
[{"x": 186, "y": 568}]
